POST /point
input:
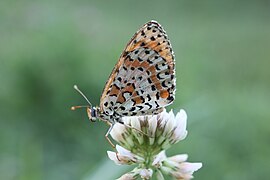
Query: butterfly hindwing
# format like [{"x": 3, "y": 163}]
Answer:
[{"x": 143, "y": 80}]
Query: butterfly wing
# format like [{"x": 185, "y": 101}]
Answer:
[{"x": 143, "y": 80}]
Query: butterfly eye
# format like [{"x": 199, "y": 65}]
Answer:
[{"x": 91, "y": 113}]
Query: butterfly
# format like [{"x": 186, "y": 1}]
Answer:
[{"x": 142, "y": 81}]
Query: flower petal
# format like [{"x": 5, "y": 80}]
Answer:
[
  {"x": 127, "y": 176},
  {"x": 163, "y": 117},
  {"x": 146, "y": 173},
  {"x": 181, "y": 176},
  {"x": 157, "y": 162},
  {"x": 117, "y": 132},
  {"x": 135, "y": 123},
  {"x": 152, "y": 121},
  {"x": 123, "y": 156},
  {"x": 113, "y": 157},
  {"x": 188, "y": 167},
  {"x": 123, "y": 151},
  {"x": 170, "y": 124},
  {"x": 180, "y": 132},
  {"x": 179, "y": 158}
]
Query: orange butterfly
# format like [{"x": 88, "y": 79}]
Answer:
[{"x": 143, "y": 80}]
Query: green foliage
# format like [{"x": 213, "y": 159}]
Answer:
[{"x": 222, "y": 54}]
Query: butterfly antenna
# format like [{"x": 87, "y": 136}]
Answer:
[{"x": 76, "y": 107}]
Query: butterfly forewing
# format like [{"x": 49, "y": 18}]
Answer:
[{"x": 143, "y": 80}]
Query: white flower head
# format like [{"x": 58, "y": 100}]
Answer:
[{"x": 143, "y": 140}]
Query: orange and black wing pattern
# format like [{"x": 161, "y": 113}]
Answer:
[{"x": 143, "y": 80}]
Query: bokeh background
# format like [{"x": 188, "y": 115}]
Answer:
[{"x": 223, "y": 82}]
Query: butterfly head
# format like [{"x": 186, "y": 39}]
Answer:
[{"x": 92, "y": 113}]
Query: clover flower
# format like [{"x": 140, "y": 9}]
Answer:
[{"x": 143, "y": 140}]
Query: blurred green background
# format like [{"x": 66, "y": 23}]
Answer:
[{"x": 223, "y": 69}]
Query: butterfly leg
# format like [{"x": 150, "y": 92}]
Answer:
[
  {"x": 107, "y": 135},
  {"x": 108, "y": 139}
]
